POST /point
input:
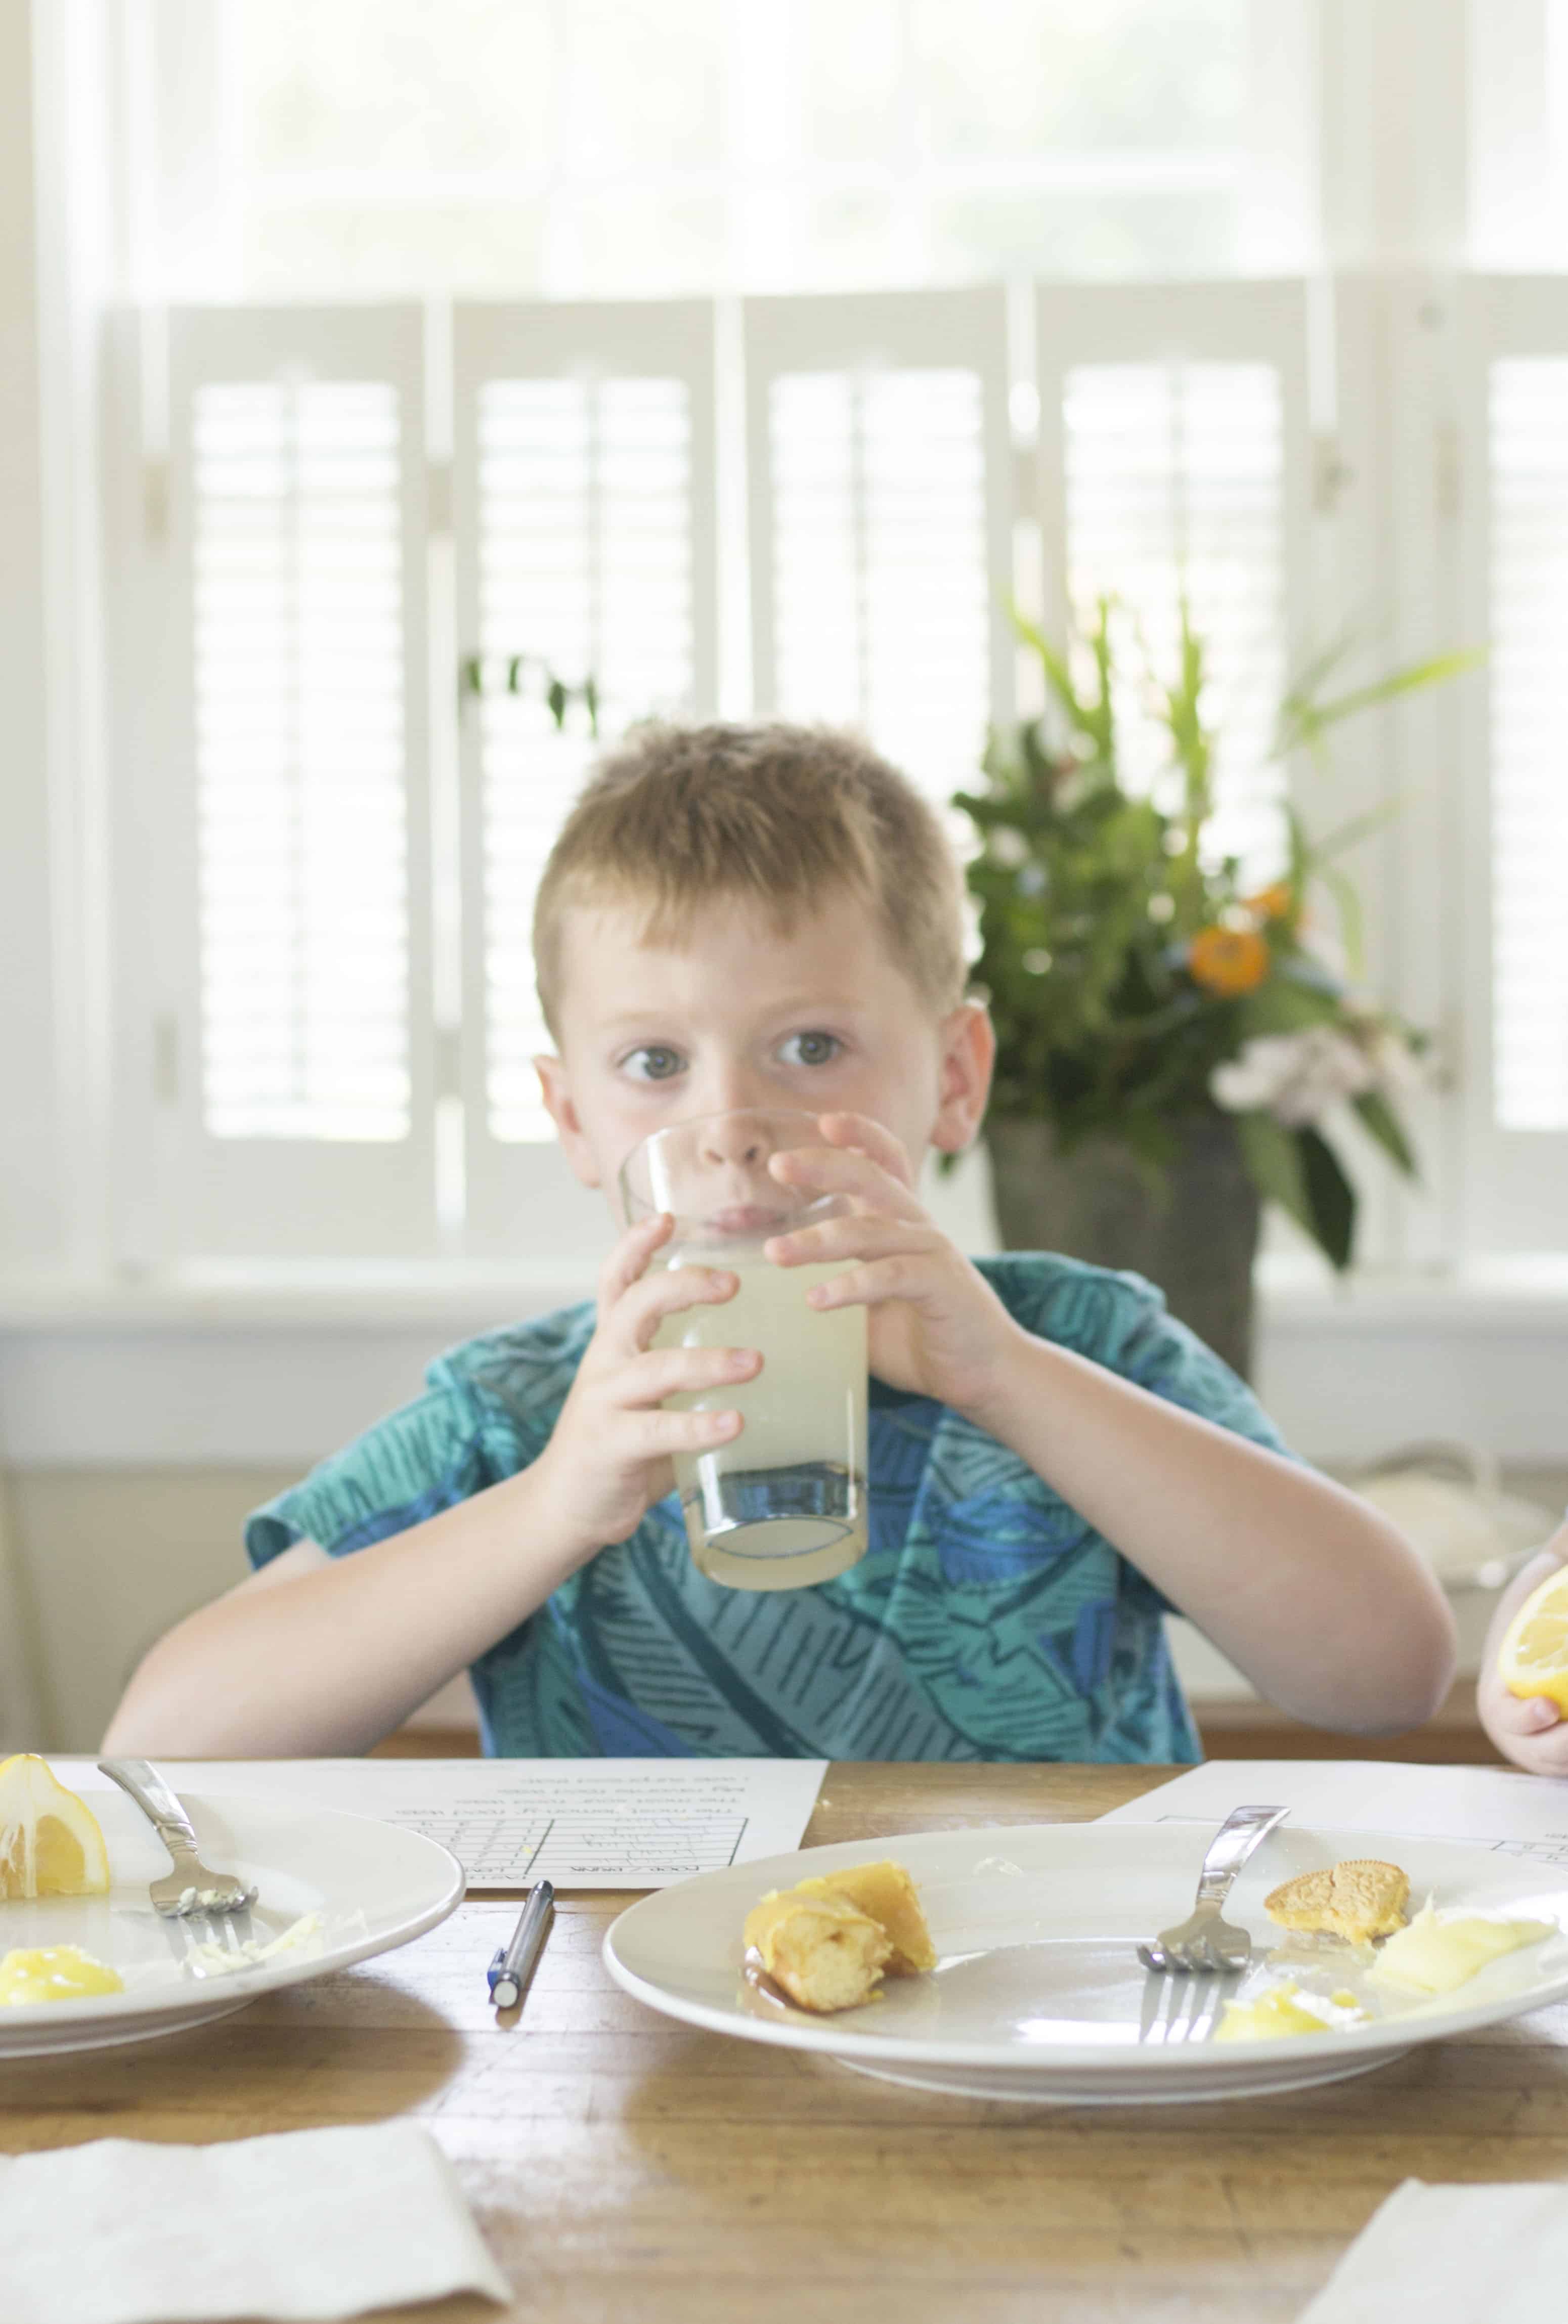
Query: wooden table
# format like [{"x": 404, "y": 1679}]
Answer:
[{"x": 627, "y": 2171}]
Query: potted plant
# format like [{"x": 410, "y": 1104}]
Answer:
[{"x": 1173, "y": 1039}]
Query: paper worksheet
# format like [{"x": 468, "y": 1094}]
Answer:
[
  {"x": 583, "y": 1823},
  {"x": 1518, "y": 1815}
]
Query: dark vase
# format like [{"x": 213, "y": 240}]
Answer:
[{"x": 1196, "y": 1235}]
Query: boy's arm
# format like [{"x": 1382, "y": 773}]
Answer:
[
  {"x": 316, "y": 1655},
  {"x": 1529, "y": 1730},
  {"x": 1317, "y": 1597},
  {"x": 1321, "y": 1600}
]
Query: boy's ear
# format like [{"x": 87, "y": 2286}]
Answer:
[
  {"x": 968, "y": 1055},
  {"x": 557, "y": 1097}
]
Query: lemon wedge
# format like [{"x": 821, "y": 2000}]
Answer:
[
  {"x": 55, "y": 1973},
  {"x": 1533, "y": 1658},
  {"x": 50, "y": 1840}
]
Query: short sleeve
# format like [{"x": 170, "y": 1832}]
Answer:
[
  {"x": 1166, "y": 1358},
  {"x": 426, "y": 1458},
  {"x": 1121, "y": 1320}
]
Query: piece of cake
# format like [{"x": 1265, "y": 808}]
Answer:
[
  {"x": 888, "y": 1894},
  {"x": 820, "y": 1949},
  {"x": 1358, "y": 1900}
]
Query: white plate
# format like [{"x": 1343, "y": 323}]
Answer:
[
  {"x": 1038, "y": 1994},
  {"x": 373, "y": 1886}
]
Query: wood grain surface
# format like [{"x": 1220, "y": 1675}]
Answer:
[{"x": 625, "y": 2168}]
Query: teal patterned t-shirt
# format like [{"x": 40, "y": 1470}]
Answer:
[{"x": 988, "y": 1620}]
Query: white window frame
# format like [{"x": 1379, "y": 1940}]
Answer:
[
  {"x": 519, "y": 1198},
  {"x": 1376, "y": 518},
  {"x": 1200, "y": 322},
  {"x": 1515, "y": 1183},
  {"x": 184, "y": 1190},
  {"x": 879, "y": 331}
]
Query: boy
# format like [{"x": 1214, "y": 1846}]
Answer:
[{"x": 739, "y": 916}]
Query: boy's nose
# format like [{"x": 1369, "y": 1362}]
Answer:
[{"x": 735, "y": 1139}]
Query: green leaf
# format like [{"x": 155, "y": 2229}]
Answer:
[
  {"x": 472, "y": 674},
  {"x": 1317, "y": 716},
  {"x": 1380, "y": 1118},
  {"x": 1274, "y": 1165},
  {"x": 1331, "y": 1199},
  {"x": 1284, "y": 1005},
  {"x": 558, "y": 698}
]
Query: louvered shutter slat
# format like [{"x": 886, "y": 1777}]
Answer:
[
  {"x": 301, "y": 830},
  {"x": 584, "y": 563},
  {"x": 1528, "y": 457},
  {"x": 1174, "y": 482}
]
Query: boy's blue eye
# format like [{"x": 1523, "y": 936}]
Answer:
[
  {"x": 653, "y": 1064},
  {"x": 811, "y": 1048}
]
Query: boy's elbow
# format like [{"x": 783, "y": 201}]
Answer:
[{"x": 1411, "y": 1681}]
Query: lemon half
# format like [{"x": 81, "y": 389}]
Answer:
[
  {"x": 49, "y": 1842},
  {"x": 1533, "y": 1658}
]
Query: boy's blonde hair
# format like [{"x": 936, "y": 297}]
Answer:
[{"x": 783, "y": 815}]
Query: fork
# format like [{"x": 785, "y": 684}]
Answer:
[
  {"x": 1205, "y": 1941},
  {"x": 191, "y": 1886}
]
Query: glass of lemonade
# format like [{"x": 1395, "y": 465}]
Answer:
[{"x": 785, "y": 1502}]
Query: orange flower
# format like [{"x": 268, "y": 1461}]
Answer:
[
  {"x": 1275, "y": 902},
  {"x": 1228, "y": 961}
]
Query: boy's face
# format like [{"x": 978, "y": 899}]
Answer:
[{"x": 734, "y": 1014}]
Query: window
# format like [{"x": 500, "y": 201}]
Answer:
[
  {"x": 637, "y": 148},
  {"x": 758, "y": 357}
]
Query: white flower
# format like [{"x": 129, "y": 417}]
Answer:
[{"x": 1298, "y": 1077}]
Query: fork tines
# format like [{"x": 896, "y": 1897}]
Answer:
[{"x": 1182, "y": 2010}]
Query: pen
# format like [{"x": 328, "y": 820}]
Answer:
[{"x": 509, "y": 1972}]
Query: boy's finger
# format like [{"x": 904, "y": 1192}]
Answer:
[
  {"x": 668, "y": 1291},
  {"x": 835, "y": 1170},
  {"x": 630, "y": 1257},
  {"x": 871, "y": 1138},
  {"x": 656, "y": 1433},
  {"x": 862, "y": 1235},
  {"x": 683, "y": 1371},
  {"x": 904, "y": 1276}
]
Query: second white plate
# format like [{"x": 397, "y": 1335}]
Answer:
[{"x": 1038, "y": 1994}]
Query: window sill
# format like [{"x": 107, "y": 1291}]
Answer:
[
  {"x": 1526, "y": 1293},
  {"x": 275, "y": 1366}
]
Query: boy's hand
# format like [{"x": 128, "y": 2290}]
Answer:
[
  {"x": 1529, "y": 1730},
  {"x": 608, "y": 1459},
  {"x": 937, "y": 1326}
]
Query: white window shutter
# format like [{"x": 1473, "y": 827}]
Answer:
[
  {"x": 879, "y": 469},
  {"x": 297, "y": 1056},
  {"x": 1513, "y": 343},
  {"x": 1174, "y": 442},
  {"x": 584, "y": 505}
]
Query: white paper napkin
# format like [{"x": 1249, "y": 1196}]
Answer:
[
  {"x": 1452, "y": 2255},
  {"x": 310, "y": 2224}
]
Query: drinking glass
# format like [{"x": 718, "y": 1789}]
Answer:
[{"x": 784, "y": 1503}]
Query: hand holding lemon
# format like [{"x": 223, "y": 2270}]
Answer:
[{"x": 1523, "y": 1695}]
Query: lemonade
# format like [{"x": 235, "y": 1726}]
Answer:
[{"x": 785, "y": 1503}]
